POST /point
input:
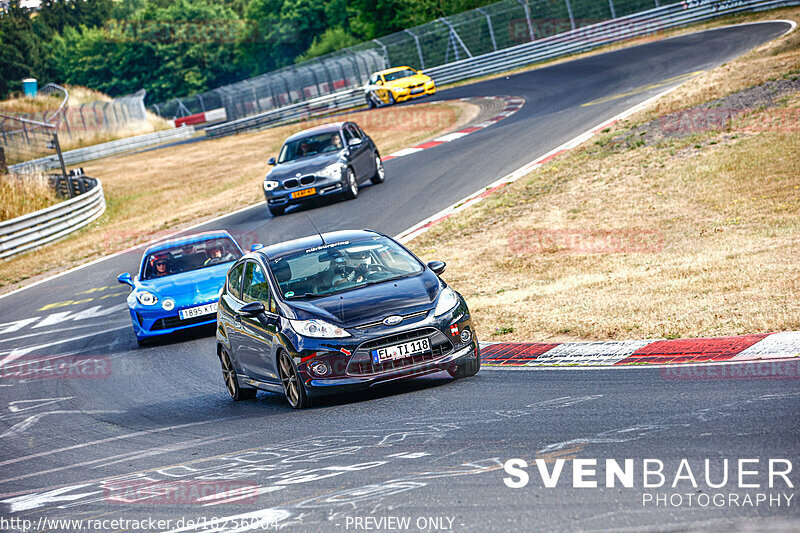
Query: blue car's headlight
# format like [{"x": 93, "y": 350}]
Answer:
[
  {"x": 331, "y": 171},
  {"x": 447, "y": 301},
  {"x": 146, "y": 298},
  {"x": 318, "y": 329}
]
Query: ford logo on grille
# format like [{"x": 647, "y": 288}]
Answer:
[{"x": 392, "y": 320}]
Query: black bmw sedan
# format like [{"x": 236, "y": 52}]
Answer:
[
  {"x": 328, "y": 160},
  {"x": 338, "y": 312}
]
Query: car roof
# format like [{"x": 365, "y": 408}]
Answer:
[
  {"x": 189, "y": 239},
  {"x": 393, "y": 69},
  {"x": 274, "y": 251},
  {"x": 324, "y": 128}
]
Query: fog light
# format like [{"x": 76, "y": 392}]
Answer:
[
  {"x": 319, "y": 368},
  {"x": 466, "y": 336},
  {"x": 168, "y": 304}
]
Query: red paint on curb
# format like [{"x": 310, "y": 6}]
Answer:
[
  {"x": 514, "y": 354},
  {"x": 691, "y": 350}
]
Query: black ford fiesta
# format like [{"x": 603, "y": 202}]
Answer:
[{"x": 338, "y": 312}]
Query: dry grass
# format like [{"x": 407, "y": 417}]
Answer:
[
  {"x": 153, "y": 193},
  {"x": 79, "y": 138},
  {"x": 701, "y": 234},
  {"x": 24, "y": 194}
]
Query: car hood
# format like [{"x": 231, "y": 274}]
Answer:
[
  {"x": 409, "y": 81},
  {"x": 372, "y": 303},
  {"x": 188, "y": 288},
  {"x": 306, "y": 165}
]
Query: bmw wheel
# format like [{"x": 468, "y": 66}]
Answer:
[
  {"x": 380, "y": 173},
  {"x": 293, "y": 388},
  {"x": 231, "y": 381},
  {"x": 370, "y": 102},
  {"x": 352, "y": 185}
]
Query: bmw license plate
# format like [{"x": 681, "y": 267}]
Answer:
[
  {"x": 197, "y": 311},
  {"x": 401, "y": 351},
  {"x": 306, "y": 192}
]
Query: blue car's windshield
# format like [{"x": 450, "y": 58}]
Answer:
[
  {"x": 340, "y": 267},
  {"x": 311, "y": 145},
  {"x": 188, "y": 257}
]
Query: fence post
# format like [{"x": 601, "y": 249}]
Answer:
[
  {"x": 385, "y": 51},
  {"x": 3, "y": 164},
  {"x": 571, "y": 18},
  {"x": 527, "y": 10},
  {"x": 611, "y": 7},
  {"x": 454, "y": 35},
  {"x": 489, "y": 23},
  {"x": 419, "y": 50}
]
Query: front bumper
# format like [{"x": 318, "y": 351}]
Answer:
[
  {"x": 410, "y": 95},
  {"x": 322, "y": 387},
  {"x": 157, "y": 322},
  {"x": 324, "y": 187}
]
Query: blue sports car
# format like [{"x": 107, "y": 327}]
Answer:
[{"x": 179, "y": 283}]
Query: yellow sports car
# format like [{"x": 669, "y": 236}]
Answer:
[{"x": 397, "y": 84}]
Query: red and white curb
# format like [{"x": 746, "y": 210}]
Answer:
[
  {"x": 743, "y": 348},
  {"x": 512, "y": 105}
]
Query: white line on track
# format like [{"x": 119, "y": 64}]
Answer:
[
  {"x": 109, "y": 439},
  {"x": 16, "y": 353}
]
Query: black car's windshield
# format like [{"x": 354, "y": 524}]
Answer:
[
  {"x": 399, "y": 74},
  {"x": 340, "y": 267},
  {"x": 311, "y": 145},
  {"x": 190, "y": 256}
]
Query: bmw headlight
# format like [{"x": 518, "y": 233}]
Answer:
[
  {"x": 146, "y": 298},
  {"x": 447, "y": 301},
  {"x": 331, "y": 171},
  {"x": 270, "y": 185},
  {"x": 318, "y": 329}
]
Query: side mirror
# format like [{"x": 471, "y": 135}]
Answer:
[
  {"x": 125, "y": 279},
  {"x": 253, "y": 309},
  {"x": 271, "y": 162},
  {"x": 256, "y": 246},
  {"x": 437, "y": 266},
  {"x": 355, "y": 141},
  {"x": 419, "y": 72}
]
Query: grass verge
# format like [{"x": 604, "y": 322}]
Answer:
[
  {"x": 24, "y": 194},
  {"x": 156, "y": 192},
  {"x": 690, "y": 234}
]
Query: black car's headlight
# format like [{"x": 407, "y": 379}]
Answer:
[
  {"x": 270, "y": 185},
  {"x": 448, "y": 299},
  {"x": 331, "y": 171},
  {"x": 318, "y": 329},
  {"x": 146, "y": 298}
]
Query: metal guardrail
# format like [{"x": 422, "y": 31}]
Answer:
[
  {"x": 97, "y": 151},
  {"x": 567, "y": 43},
  {"x": 47, "y": 225}
]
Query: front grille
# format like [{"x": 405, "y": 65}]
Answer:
[
  {"x": 379, "y": 323},
  {"x": 175, "y": 322},
  {"x": 361, "y": 363},
  {"x": 291, "y": 183}
]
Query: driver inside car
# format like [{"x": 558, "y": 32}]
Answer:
[
  {"x": 213, "y": 254},
  {"x": 360, "y": 262}
]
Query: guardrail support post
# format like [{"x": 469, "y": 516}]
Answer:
[{"x": 57, "y": 146}]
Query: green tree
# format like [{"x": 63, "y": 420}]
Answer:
[
  {"x": 23, "y": 48},
  {"x": 331, "y": 40}
]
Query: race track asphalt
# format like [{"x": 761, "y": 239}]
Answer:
[{"x": 428, "y": 448}]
